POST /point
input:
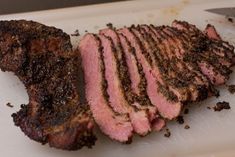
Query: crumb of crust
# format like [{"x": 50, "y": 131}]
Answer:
[
  {"x": 186, "y": 127},
  {"x": 231, "y": 89},
  {"x": 110, "y": 25},
  {"x": 9, "y": 105},
  {"x": 180, "y": 119},
  {"x": 186, "y": 111},
  {"x": 76, "y": 33},
  {"x": 230, "y": 19},
  {"x": 168, "y": 133},
  {"x": 221, "y": 106}
]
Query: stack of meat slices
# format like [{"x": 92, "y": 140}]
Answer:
[
  {"x": 139, "y": 77},
  {"x": 136, "y": 78}
]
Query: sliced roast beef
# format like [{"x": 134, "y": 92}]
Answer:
[
  {"x": 167, "y": 108},
  {"x": 116, "y": 126},
  {"x": 156, "y": 121},
  {"x": 138, "y": 80},
  {"x": 191, "y": 74},
  {"x": 206, "y": 58},
  {"x": 176, "y": 85},
  {"x": 126, "y": 59},
  {"x": 180, "y": 77},
  {"x": 117, "y": 97},
  {"x": 135, "y": 78}
]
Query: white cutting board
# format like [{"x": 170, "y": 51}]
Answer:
[{"x": 212, "y": 134}]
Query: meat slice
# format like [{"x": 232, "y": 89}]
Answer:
[
  {"x": 136, "y": 88},
  {"x": 197, "y": 83},
  {"x": 166, "y": 67},
  {"x": 167, "y": 108},
  {"x": 176, "y": 79},
  {"x": 138, "y": 80},
  {"x": 43, "y": 59},
  {"x": 227, "y": 50},
  {"x": 209, "y": 62},
  {"x": 116, "y": 126},
  {"x": 211, "y": 32},
  {"x": 204, "y": 86},
  {"x": 115, "y": 90}
]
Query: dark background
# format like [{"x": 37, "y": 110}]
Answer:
[{"x": 16, "y": 6}]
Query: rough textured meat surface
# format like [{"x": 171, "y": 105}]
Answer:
[
  {"x": 43, "y": 59},
  {"x": 212, "y": 56},
  {"x": 116, "y": 126},
  {"x": 132, "y": 80},
  {"x": 168, "y": 109},
  {"x": 116, "y": 76}
]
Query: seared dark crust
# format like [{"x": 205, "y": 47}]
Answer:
[
  {"x": 161, "y": 61},
  {"x": 104, "y": 81},
  {"x": 203, "y": 49},
  {"x": 123, "y": 73},
  {"x": 43, "y": 59},
  {"x": 186, "y": 72},
  {"x": 142, "y": 98},
  {"x": 205, "y": 89}
]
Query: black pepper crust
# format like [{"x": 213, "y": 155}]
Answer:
[
  {"x": 43, "y": 59},
  {"x": 221, "y": 106},
  {"x": 122, "y": 70},
  {"x": 104, "y": 81},
  {"x": 142, "y": 97},
  {"x": 177, "y": 78},
  {"x": 160, "y": 61},
  {"x": 188, "y": 73},
  {"x": 145, "y": 53},
  {"x": 201, "y": 49}
]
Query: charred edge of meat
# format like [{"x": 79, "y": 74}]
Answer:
[
  {"x": 184, "y": 78},
  {"x": 200, "y": 46},
  {"x": 122, "y": 71},
  {"x": 160, "y": 63},
  {"x": 104, "y": 81},
  {"x": 202, "y": 89},
  {"x": 171, "y": 81},
  {"x": 180, "y": 81},
  {"x": 143, "y": 98},
  {"x": 147, "y": 56},
  {"x": 43, "y": 60},
  {"x": 168, "y": 94}
]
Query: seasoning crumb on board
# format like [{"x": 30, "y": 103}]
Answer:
[
  {"x": 76, "y": 33},
  {"x": 9, "y": 105},
  {"x": 168, "y": 133},
  {"x": 180, "y": 119},
  {"x": 231, "y": 89},
  {"x": 208, "y": 107},
  {"x": 109, "y": 25},
  {"x": 186, "y": 127},
  {"x": 230, "y": 19},
  {"x": 186, "y": 111},
  {"x": 221, "y": 105}
]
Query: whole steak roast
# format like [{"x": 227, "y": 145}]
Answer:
[{"x": 43, "y": 59}]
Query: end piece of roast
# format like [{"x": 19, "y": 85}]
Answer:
[{"x": 43, "y": 59}]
